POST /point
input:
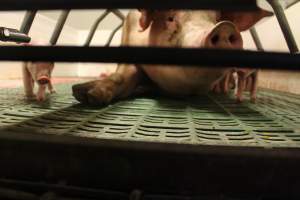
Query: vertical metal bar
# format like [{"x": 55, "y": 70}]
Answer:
[
  {"x": 113, "y": 34},
  {"x": 256, "y": 39},
  {"x": 59, "y": 26},
  {"x": 285, "y": 27},
  {"x": 95, "y": 27},
  {"x": 27, "y": 21}
]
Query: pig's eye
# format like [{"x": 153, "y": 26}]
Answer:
[{"x": 170, "y": 19}]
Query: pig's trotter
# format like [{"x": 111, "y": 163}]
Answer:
[
  {"x": 51, "y": 88},
  {"x": 98, "y": 92},
  {"x": 105, "y": 90},
  {"x": 80, "y": 91}
]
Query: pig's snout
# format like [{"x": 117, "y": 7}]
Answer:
[
  {"x": 43, "y": 80},
  {"x": 224, "y": 35}
]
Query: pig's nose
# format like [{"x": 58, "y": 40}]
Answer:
[
  {"x": 224, "y": 35},
  {"x": 43, "y": 80}
]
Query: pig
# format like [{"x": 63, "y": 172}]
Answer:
[
  {"x": 177, "y": 28},
  {"x": 39, "y": 73}
]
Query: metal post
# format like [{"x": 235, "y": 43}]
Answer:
[
  {"x": 285, "y": 27},
  {"x": 59, "y": 26},
  {"x": 113, "y": 34},
  {"x": 256, "y": 39},
  {"x": 94, "y": 27},
  {"x": 27, "y": 21}
]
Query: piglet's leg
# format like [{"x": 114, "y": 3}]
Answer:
[
  {"x": 118, "y": 85},
  {"x": 50, "y": 87},
  {"x": 41, "y": 94},
  {"x": 253, "y": 89},
  {"x": 27, "y": 81}
]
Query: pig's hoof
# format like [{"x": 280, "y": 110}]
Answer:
[
  {"x": 40, "y": 98},
  {"x": 100, "y": 96},
  {"x": 52, "y": 91},
  {"x": 253, "y": 99},
  {"x": 98, "y": 92},
  {"x": 80, "y": 91}
]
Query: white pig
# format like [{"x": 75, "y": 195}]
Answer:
[{"x": 176, "y": 28}]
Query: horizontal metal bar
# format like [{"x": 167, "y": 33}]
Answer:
[
  {"x": 111, "y": 4},
  {"x": 138, "y": 55},
  {"x": 63, "y": 189}
]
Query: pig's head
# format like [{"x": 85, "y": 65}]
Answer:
[
  {"x": 41, "y": 71},
  {"x": 204, "y": 29}
]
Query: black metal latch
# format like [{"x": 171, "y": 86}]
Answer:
[{"x": 13, "y": 35}]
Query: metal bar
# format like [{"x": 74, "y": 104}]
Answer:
[
  {"x": 15, "y": 194},
  {"x": 292, "y": 4},
  {"x": 164, "y": 56},
  {"x": 113, "y": 4},
  {"x": 256, "y": 39},
  {"x": 285, "y": 27},
  {"x": 119, "y": 14},
  {"x": 59, "y": 26},
  {"x": 27, "y": 21},
  {"x": 63, "y": 189},
  {"x": 95, "y": 27},
  {"x": 112, "y": 35}
]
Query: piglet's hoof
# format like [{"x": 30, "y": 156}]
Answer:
[{"x": 41, "y": 98}]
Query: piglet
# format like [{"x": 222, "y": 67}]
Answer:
[{"x": 39, "y": 73}]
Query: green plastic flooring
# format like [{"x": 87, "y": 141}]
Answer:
[{"x": 274, "y": 121}]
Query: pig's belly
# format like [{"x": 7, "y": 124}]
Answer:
[{"x": 183, "y": 80}]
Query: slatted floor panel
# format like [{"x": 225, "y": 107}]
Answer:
[{"x": 274, "y": 121}]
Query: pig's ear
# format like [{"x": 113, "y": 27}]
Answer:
[
  {"x": 146, "y": 18},
  {"x": 244, "y": 20}
]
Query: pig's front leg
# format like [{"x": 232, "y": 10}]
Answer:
[
  {"x": 247, "y": 81},
  {"x": 118, "y": 85},
  {"x": 28, "y": 82},
  {"x": 51, "y": 88}
]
